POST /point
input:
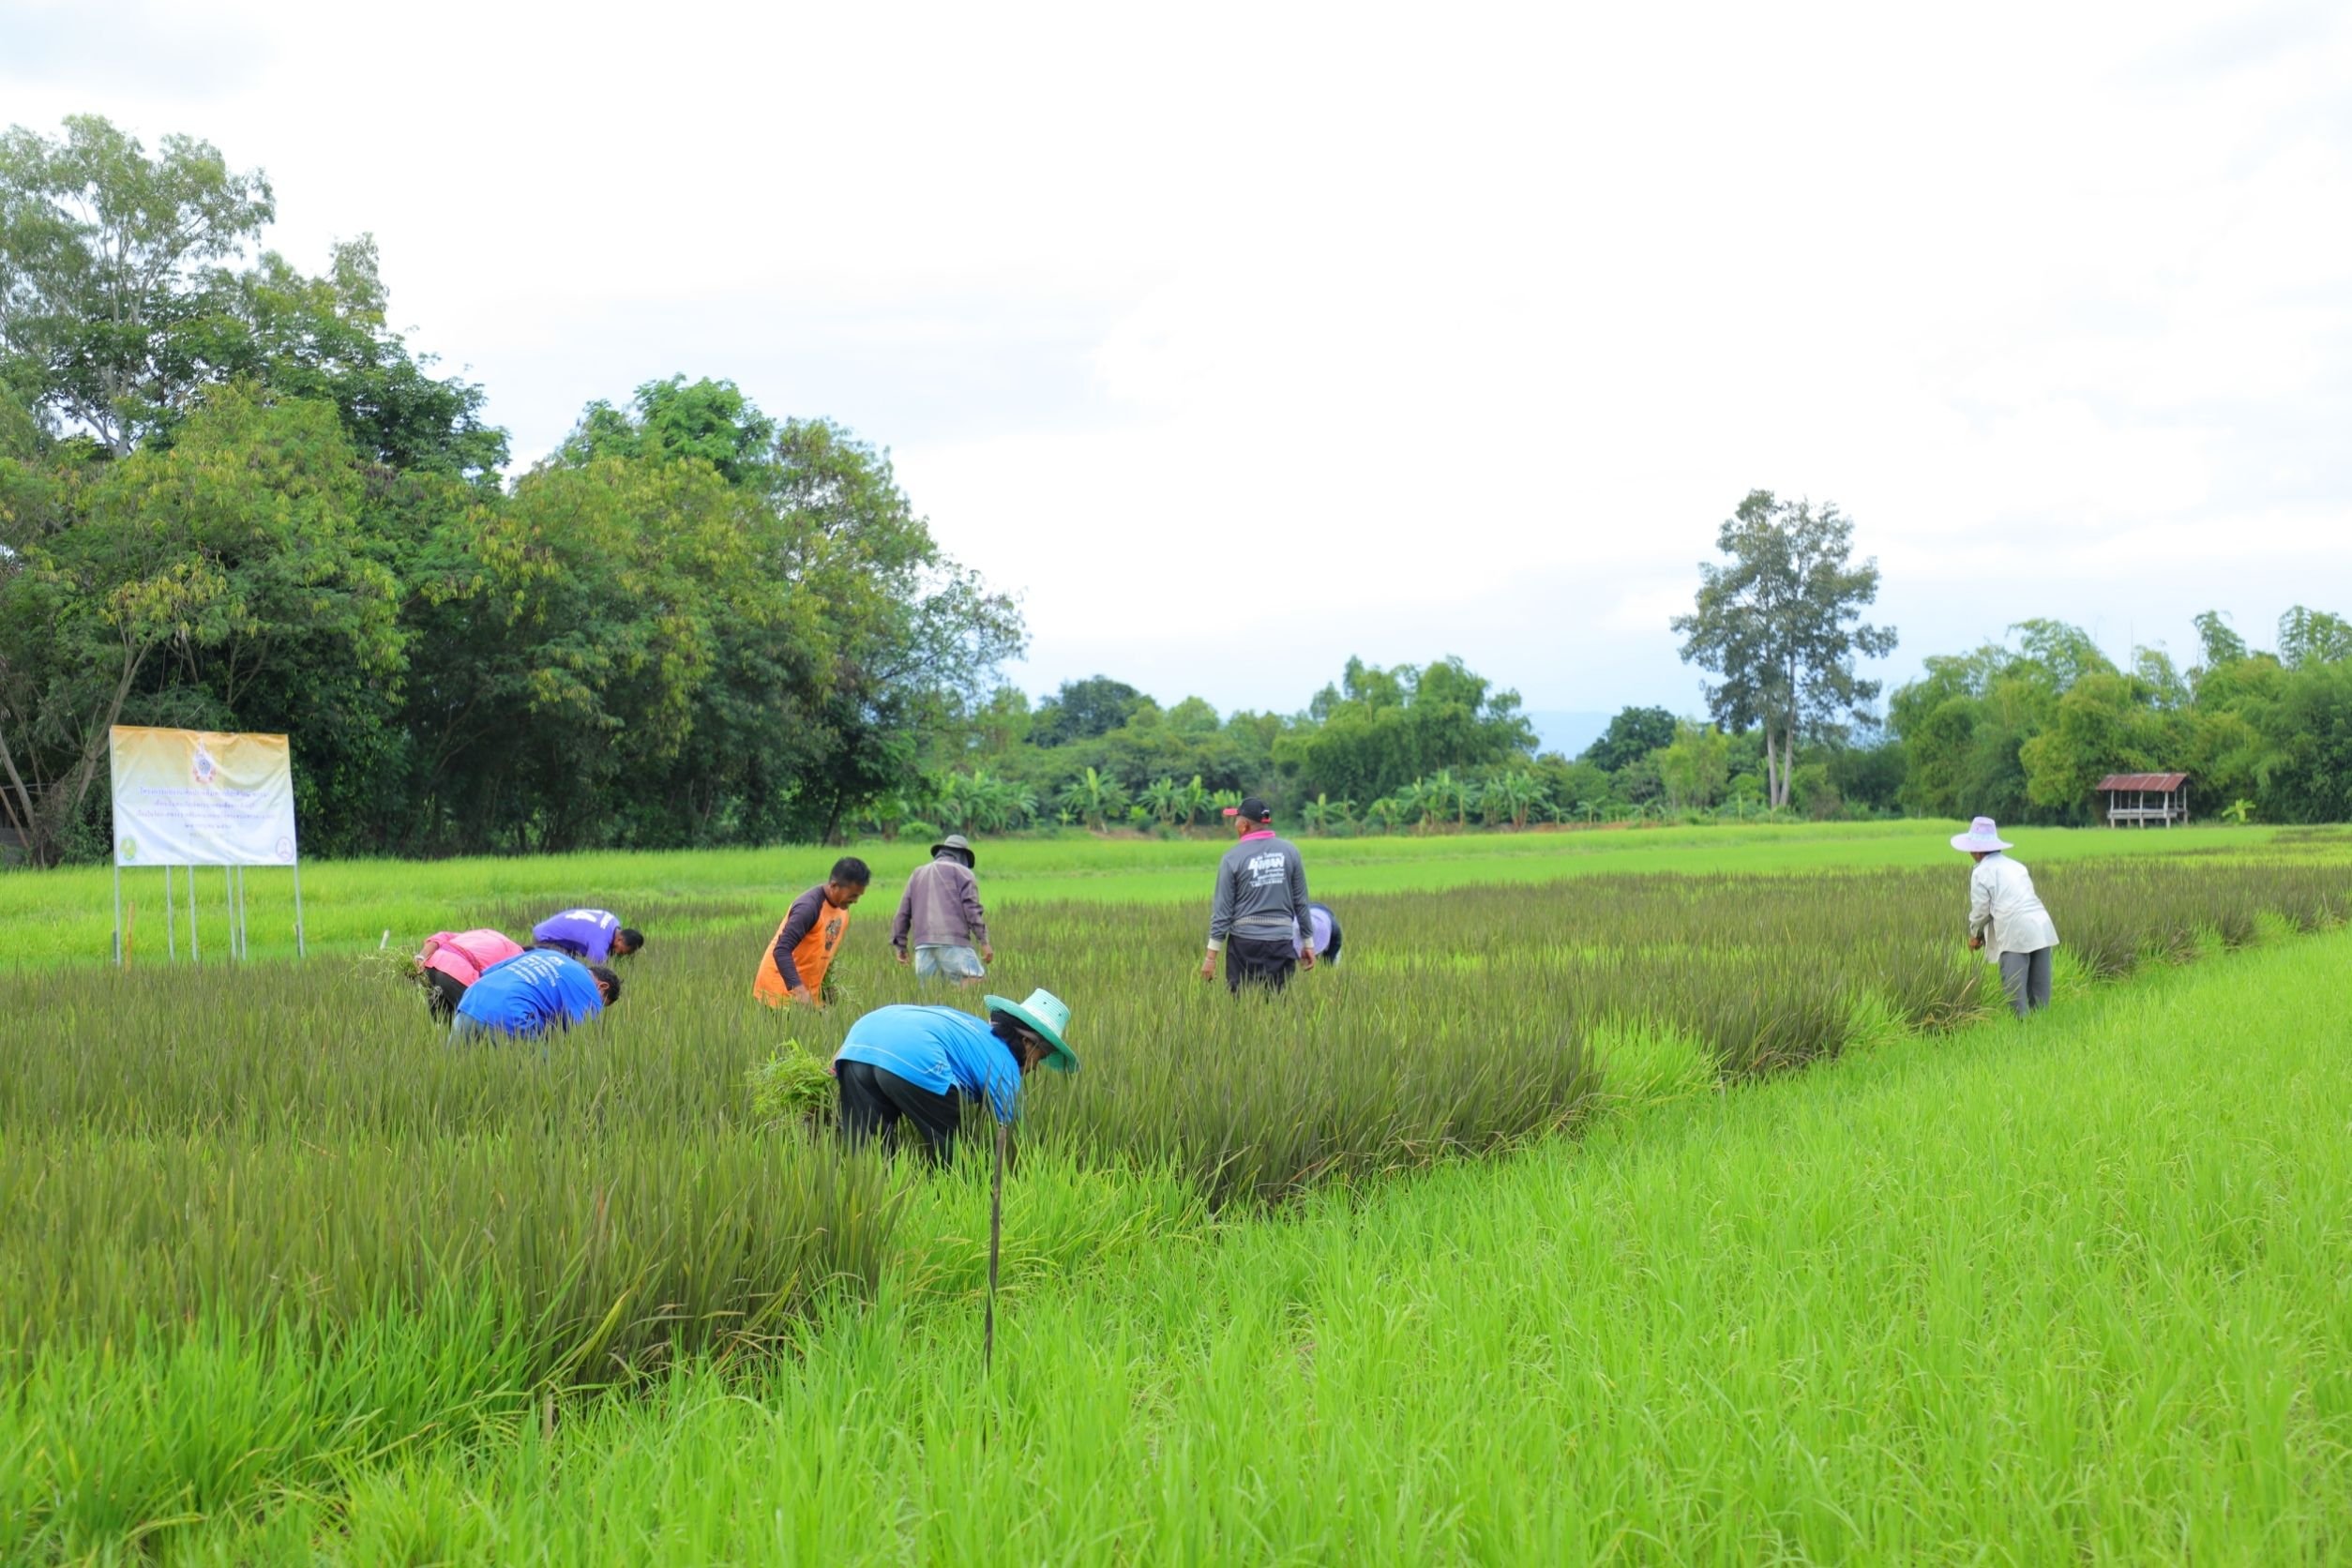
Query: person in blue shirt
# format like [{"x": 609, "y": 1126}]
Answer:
[
  {"x": 533, "y": 992},
  {"x": 909, "y": 1063}
]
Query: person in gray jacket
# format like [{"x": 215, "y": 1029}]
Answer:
[
  {"x": 940, "y": 915},
  {"x": 1260, "y": 905}
]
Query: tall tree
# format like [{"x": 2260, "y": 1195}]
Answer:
[
  {"x": 106, "y": 269},
  {"x": 222, "y": 578},
  {"x": 861, "y": 651},
  {"x": 1780, "y": 625},
  {"x": 2220, "y": 643},
  {"x": 1383, "y": 729},
  {"x": 2314, "y": 636},
  {"x": 327, "y": 339},
  {"x": 1633, "y": 735},
  {"x": 708, "y": 419},
  {"x": 1696, "y": 766},
  {"x": 1083, "y": 709}
]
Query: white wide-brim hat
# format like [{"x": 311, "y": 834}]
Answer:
[{"x": 1981, "y": 837}]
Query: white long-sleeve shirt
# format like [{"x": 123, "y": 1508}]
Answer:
[{"x": 2002, "y": 902}]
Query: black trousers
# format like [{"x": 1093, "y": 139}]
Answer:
[
  {"x": 875, "y": 1100},
  {"x": 1263, "y": 961},
  {"x": 442, "y": 992}
]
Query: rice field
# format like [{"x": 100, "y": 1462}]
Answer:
[
  {"x": 350, "y": 906},
  {"x": 1518, "y": 1237}
]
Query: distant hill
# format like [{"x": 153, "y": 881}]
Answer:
[{"x": 1566, "y": 733}]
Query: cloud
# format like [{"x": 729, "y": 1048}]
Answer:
[
  {"x": 128, "y": 53},
  {"x": 1279, "y": 335}
]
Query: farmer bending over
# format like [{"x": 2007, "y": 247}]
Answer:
[
  {"x": 1260, "y": 906},
  {"x": 591, "y": 936},
  {"x": 793, "y": 967},
  {"x": 2001, "y": 903},
  {"x": 1321, "y": 939},
  {"x": 452, "y": 960},
  {"x": 909, "y": 1063},
  {"x": 941, "y": 913},
  {"x": 531, "y": 993}
]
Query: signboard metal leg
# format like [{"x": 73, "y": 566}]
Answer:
[
  {"x": 301, "y": 951},
  {"x": 195, "y": 954},
  {"x": 171, "y": 921},
  {"x": 244, "y": 937},
  {"x": 118, "y": 914}
]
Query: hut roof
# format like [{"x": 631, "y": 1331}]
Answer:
[{"x": 2162, "y": 781}]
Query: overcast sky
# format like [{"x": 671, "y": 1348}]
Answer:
[{"x": 1239, "y": 339}]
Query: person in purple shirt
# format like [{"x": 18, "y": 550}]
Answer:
[
  {"x": 591, "y": 936},
  {"x": 909, "y": 1063},
  {"x": 531, "y": 994},
  {"x": 1322, "y": 936}
]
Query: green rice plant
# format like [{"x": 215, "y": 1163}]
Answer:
[
  {"x": 1761, "y": 1020},
  {"x": 790, "y": 1089},
  {"x": 66, "y": 916},
  {"x": 2071, "y": 1297},
  {"x": 1929, "y": 985},
  {"x": 282, "y": 1161},
  {"x": 1649, "y": 1062},
  {"x": 606, "y": 1257}
]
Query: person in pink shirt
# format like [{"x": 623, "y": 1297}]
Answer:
[{"x": 452, "y": 960}]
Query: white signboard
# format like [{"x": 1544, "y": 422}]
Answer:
[{"x": 192, "y": 797}]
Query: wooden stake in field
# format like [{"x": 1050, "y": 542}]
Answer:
[{"x": 996, "y": 1232}]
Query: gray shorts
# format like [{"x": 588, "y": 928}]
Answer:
[{"x": 939, "y": 961}]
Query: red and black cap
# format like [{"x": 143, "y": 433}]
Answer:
[{"x": 1252, "y": 809}]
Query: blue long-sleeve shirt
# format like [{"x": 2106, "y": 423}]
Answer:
[
  {"x": 531, "y": 992},
  {"x": 939, "y": 1050}
]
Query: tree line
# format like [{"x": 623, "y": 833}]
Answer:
[
  {"x": 1408, "y": 750},
  {"x": 1777, "y": 621},
  {"x": 2025, "y": 728},
  {"x": 2022, "y": 731},
  {"x": 231, "y": 497}
]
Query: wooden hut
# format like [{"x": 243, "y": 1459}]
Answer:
[{"x": 2140, "y": 799}]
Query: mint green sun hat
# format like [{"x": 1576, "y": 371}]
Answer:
[{"x": 1049, "y": 1014}]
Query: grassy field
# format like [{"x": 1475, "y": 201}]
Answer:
[
  {"x": 2067, "y": 1294},
  {"x": 1517, "y": 1238},
  {"x": 348, "y": 906}
]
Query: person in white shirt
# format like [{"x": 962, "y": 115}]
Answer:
[{"x": 2004, "y": 910}]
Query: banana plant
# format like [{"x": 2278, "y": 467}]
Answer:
[
  {"x": 1095, "y": 798},
  {"x": 1193, "y": 802},
  {"x": 1322, "y": 813},
  {"x": 1164, "y": 799}
]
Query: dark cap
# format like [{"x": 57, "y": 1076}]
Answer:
[{"x": 1252, "y": 809}]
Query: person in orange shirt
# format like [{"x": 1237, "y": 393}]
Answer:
[{"x": 793, "y": 967}]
